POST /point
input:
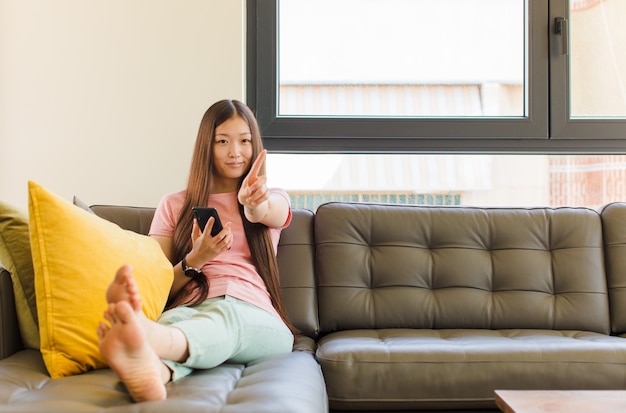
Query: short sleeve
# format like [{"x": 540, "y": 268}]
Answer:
[
  {"x": 284, "y": 194},
  {"x": 166, "y": 214}
]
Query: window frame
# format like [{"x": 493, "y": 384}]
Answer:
[{"x": 532, "y": 134}]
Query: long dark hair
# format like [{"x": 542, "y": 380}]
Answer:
[{"x": 198, "y": 191}]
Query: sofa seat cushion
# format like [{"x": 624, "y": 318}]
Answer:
[
  {"x": 285, "y": 383},
  {"x": 413, "y": 368}
]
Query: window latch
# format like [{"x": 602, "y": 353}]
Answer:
[{"x": 560, "y": 28}]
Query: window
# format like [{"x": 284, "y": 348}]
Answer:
[
  {"x": 460, "y": 76},
  {"x": 529, "y": 110},
  {"x": 447, "y": 179},
  {"x": 588, "y": 71},
  {"x": 366, "y": 60}
]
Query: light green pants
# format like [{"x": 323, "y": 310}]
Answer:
[{"x": 226, "y": 329}]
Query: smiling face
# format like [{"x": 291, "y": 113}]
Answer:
[{"x": 232, "y": 154}]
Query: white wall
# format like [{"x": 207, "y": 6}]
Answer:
[{"x": 102, "y": 98}]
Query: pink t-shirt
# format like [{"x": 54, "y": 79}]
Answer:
[{"x": 232, "y": 272}]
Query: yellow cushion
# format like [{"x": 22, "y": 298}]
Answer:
[
  {"x": 15, "y": 256},
  {"x": 75, "y": 256}
]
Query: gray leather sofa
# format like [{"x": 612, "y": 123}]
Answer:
[{"x": 403, "y": 308}]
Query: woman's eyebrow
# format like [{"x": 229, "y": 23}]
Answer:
[{"x": 240, "y": 134}]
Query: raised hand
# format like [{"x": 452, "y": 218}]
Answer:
[{"x": 254, "y": 190}]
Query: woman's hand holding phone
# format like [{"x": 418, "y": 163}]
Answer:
[
  {"x": 207, "y": 246},
  {"x": 204, "y": 214}
]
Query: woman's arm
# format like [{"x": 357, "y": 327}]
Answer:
[
  {"x": 204, "y": 249},
  {"x": 272, "y": 212},
  {"x": 261, "y": 205}
]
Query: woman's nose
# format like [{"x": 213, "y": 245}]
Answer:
[{"x": 234, "y": 150}]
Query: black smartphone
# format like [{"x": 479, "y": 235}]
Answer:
[{"x": 203, "y": 214}]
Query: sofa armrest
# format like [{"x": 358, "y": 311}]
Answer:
[{"x": 10, "y": 341}]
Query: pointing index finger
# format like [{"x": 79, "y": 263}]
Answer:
[{"x": 256, "y": 166}]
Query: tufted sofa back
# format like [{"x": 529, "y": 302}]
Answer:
[
  {"x": 383, "y": 266},
  {"x": 392, "y": 266},
  {"x": 295, "y": 259}
]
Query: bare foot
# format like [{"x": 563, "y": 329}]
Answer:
[
  {"x": 125, "y": 348},
  {"x": 124, "y": 288}
]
